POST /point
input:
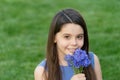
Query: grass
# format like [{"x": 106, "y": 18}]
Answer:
[{"x": 24, "y": 28}]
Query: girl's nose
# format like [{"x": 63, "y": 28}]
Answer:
[{"x": 74, "y": 42}]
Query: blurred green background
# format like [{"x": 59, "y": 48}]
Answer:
[{"x": 24, "y": 28}]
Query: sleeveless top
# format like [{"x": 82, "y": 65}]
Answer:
[{"x": 67, "y": 72}]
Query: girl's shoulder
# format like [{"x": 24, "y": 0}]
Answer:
[
  {"x": 91, "y": 56},
  {"x": 42, "y": 63},
  {"x": 38, "y": 72}
]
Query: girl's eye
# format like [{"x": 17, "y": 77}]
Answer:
[
  {"x": 80, "y": 37},
  {"x": 67, "y": 37}
]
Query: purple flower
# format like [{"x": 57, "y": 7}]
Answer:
[
  {"x": 76, "y": 64},
  {"x": 85, "y": 62},
  {"x": 69, "y": 59},
  {"x": 79, "y": 59},
  {"x": 79, "y": 54}
]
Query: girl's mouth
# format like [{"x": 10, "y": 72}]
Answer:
[{"x": 71, "y": 50}]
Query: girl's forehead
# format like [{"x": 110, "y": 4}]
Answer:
[{"x": 71, "y": 28}]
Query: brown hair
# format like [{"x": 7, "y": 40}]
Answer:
[{"x": 52, "y": 61}]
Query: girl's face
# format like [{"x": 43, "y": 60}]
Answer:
[{"x": 69, "y": 38}]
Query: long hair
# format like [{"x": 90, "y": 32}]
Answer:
[{"x": 52, "y": 60}]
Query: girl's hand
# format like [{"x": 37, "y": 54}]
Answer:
[{"x": 80, "y": 76}]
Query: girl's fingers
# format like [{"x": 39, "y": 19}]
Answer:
[{"x": 79, "y": 77}]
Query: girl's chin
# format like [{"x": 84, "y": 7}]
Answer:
[{"x": 70, "y": 53}]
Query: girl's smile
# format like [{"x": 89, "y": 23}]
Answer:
[{"x": 71, "y": 50}]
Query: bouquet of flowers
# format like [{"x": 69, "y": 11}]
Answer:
[{"x": 78, "y": 60}]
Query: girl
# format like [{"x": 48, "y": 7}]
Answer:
[{"x": 67, "y": 33}]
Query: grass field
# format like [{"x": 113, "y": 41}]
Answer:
[{"x": 24, "y": 28}]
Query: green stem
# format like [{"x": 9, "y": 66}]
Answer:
[{"x": 78, "y": 70}]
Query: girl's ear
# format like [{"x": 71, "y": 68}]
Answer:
[{"x": 54, "y": 40}]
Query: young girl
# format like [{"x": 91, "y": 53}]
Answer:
[{"x": 67, "y": 33}]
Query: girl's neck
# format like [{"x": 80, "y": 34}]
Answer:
[{"x": 62, "y": 61}]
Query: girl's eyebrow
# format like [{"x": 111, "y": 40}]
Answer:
[
  {"x": 70, "y": 34},
  {"x": 66, "y": 34},
  {"x": 81, "y": 34}
]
